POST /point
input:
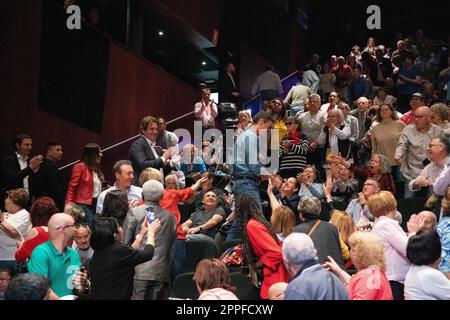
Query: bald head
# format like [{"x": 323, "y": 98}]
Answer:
[
  {"x": 429, "y": 219},
  {"x": 276, "y": 291},
  {"x": 423, "y": 117},
  {"x": 59, "y": 220}
]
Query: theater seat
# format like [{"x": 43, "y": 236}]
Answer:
[
  {"x": 197, "y": 251},
  {"x": 409, "y": 206},
  {"x": 184, "y": 287},
  {"x": 245, "y": 290}
]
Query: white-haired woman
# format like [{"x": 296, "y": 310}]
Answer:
[{"x": 335, "y": 137}]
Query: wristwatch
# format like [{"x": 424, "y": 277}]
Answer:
[{"x": 201, "y": 228}]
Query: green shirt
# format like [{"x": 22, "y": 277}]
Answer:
[{"x": 58, "y": 268}]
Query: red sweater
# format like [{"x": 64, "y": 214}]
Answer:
[
  {"x": 25, "y": 250},
  {"x": 370, "y": 284},
  {"x": 269, "y": 252},
  {"x": 169, "y": 202}
]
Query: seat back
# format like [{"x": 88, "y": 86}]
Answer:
[
  {"x": 197, "y": 251},
  {"x": 184, "y": 287},
  {"x": 409, "y": 206}
]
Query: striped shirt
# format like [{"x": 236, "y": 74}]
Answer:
[{"x": 295, "y": 158}]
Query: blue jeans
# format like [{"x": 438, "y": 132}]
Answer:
[
  {"x": 89, "y": 212},
  {"x": 180, "y": 257},
  {"x": 9, "y": 263},
  {"x": 240, "y": 187}
]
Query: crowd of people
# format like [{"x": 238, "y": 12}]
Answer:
[{"x": 356, "y": 136}]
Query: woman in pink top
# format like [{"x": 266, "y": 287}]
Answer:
[
  {"x": 383, "y": 207},
  {"x": 370, "y": 282}
]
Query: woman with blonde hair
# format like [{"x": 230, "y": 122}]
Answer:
[
  {"x": 370, "y": 281},
  {"x": 213, "y": 281},
  {"x": 383, "y": 207},
  {"x": 345, "y": 225},
  {"x": 282, "y": 222}
]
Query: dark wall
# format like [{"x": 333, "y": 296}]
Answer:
[
  {"x": 202, "y": 15},
  {"x": 134, "y": 88}
]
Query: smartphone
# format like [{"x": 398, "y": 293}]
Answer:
[{"x": 150, "y": 215}]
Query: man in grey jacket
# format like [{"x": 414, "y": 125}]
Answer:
[
  {"x": 151, "y": 279},
  {"x": 309, "y": 280}
]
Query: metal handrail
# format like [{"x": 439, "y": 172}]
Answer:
[
  {"x": 126, "y": 140},
  {"x": 259, "y": 94}
]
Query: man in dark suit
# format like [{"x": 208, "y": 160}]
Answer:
[
  {"x": 48, "y": 178},
  {"x": 17, "y": 169},
  {"x": 228, "y": 89},
  {"x": 151, "y": 279},
  {"x": 144, "y": 152}
]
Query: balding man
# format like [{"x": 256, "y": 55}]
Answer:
[
  {"x": 438, "y": 154},
  {"x": 151, "y": 279},
  {"x": 422, "y": 220},
  {"x": 54, "y": 259},
  {"x": 276, "y": 291},
  {"x": 203, "y": 224},
  {"x": 411, "y": 152}
]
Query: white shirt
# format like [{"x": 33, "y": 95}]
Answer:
[
  {"x": 22, "y": 223},
  {"x": 426, "y": 283},
  {"x": 134, "y": 194},
  {"x": 324, "y": 107},
  {"x": 97, "y": 186},
  {"x": 23, "y": 163},
  {"x": 152, "y": 147}
]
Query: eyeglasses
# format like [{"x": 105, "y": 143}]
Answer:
[
  {"x": 434, "y": 145},
  {"x": 68, "y": 226},
  {"x": 81, "y": 225}
]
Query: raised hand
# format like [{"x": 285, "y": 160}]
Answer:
[{"x": 35, "y": 163}]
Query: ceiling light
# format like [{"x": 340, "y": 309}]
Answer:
[{"x": 160, "y": 33}]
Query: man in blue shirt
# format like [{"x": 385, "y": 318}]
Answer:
[
  {"x": 409, "y": 79},
  {"x": 247, "y": 169},
  {"x": 358, "y": 87}
]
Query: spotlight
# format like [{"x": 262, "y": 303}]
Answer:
[{"x": 160, "y": 33}]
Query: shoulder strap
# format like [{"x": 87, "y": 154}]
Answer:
[{"x": 314, "y": 227}]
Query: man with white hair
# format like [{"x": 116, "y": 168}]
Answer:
[
  {"x": 54, "y": 259},
  {"x": 364, "y": 123},
  {"x": 151, "y": 279},
  {"x": 309, "y": 280}
]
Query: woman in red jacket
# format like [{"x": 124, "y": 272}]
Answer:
[
  {"x": 261, "y": 245},
  {"x": 86, "y": 182}
]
